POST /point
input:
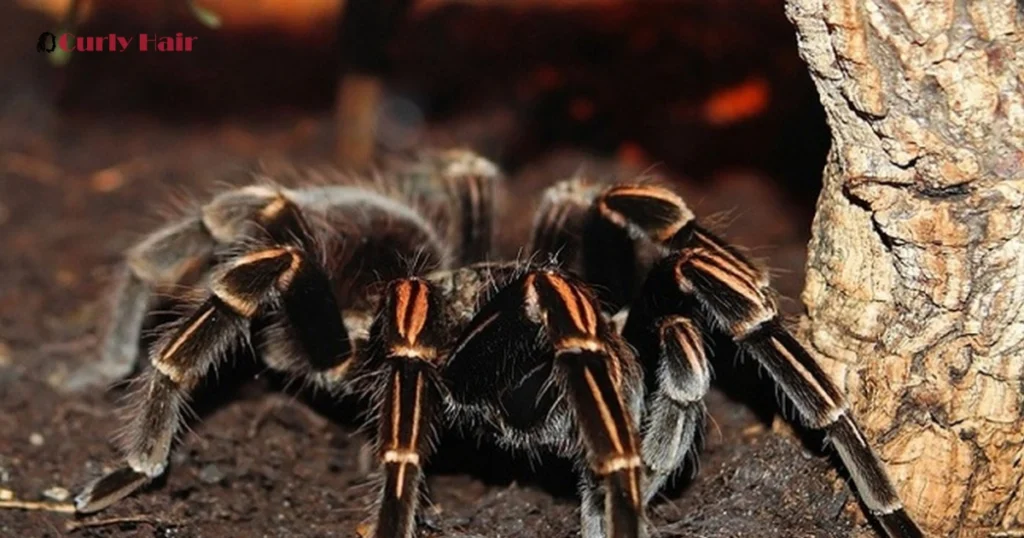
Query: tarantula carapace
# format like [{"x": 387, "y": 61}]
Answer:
[{"x": 596, "y": 353}]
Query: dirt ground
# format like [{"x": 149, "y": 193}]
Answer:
[{"x": 88, "y": 156}]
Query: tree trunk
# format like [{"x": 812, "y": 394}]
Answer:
[{"x": 915, "y": 279}]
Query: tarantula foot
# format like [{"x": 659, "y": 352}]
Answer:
[
  {"x": 899, "y": 524},
  {"x": 109, "y": 489}
]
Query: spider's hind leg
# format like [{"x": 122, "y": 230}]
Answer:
[
  {"x": 165, "y": 257},
  {"x": 559, "y": 220},
  {"x": 734, "y": 296},
  {"x": 472, "y": 182},
  {"x": 177, "y": 252},
  {"x": 271, "y": 275}
]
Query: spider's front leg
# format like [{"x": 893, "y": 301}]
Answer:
[
  {"x": 402, "y": 360},
  {"x": 671, "y": 348},
  {"x": 544, "y": 331},
  {"x": 698, "y": 268},
  {"x": 665, "y": 334},
  {"x": 280, "y": 274}
]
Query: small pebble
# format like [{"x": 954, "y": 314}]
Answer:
[
  {"x": 211, "y": 474},
  {"x": 36, "y": 439},
  {"x": 108, "y": 180},
  {"x": 65, "y": 278},
  {"x": 6, "y": 495},
  {"x": 57, "y": 493}
]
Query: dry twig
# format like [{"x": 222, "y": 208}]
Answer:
[
  {"x": 62, "y": 508},
  {"x": 72, "y": 526}
]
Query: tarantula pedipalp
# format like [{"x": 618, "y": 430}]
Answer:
[{"x": 523, "y": 352}]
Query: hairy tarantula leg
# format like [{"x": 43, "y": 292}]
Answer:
[
  {"x": 166, "y": 257},
  {"x": 558, "y": 224},
  {"x": 671, "y": 349},
  {"x": 684, "y": 378},
  {"x": 407, "y": 337},
  {"x": 592, "y": 366},
  {"x": 472, "y": 182},
  {"x": 608, "y": 431},
  {"x": 182, "y": 358},
  {"x": 620, "y": 218},
  {"x": 164, "y": 389},
  {"x": 736, "y": 297},
  {"x": 590, "y": 362}
]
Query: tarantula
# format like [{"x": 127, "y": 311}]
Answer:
[{"x": 527, "y": 352}]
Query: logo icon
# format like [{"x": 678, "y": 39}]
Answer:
[{"x": 41, "y": 45}]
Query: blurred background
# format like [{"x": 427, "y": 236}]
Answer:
[{"x": 709, "y": 94}]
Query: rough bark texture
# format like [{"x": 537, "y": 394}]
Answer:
[{"x": 915, "y": 281}]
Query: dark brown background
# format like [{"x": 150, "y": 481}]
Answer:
[{"x": 90, "y": 153}]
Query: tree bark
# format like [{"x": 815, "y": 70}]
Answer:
[{"x": 915, "y": 279}]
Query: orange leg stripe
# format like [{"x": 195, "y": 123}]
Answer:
[
  {"x": 402, "y": 292},
  {"x": 606, "y": 415},
  {"x": 419, "y": 313},
  {"x": 573, "y": 305}
]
